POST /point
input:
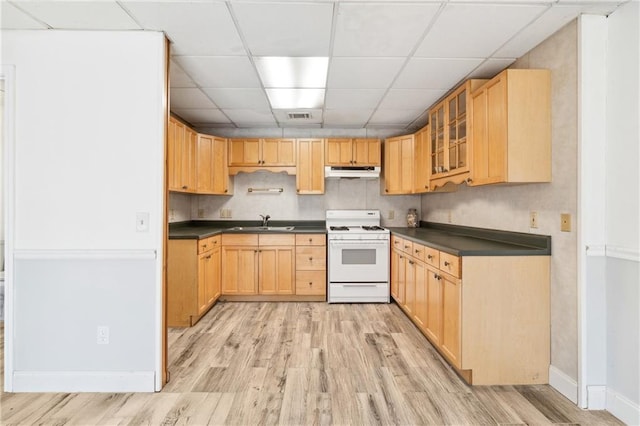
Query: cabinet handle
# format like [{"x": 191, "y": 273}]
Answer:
[
  {"x": 226, "y": 190},
  {"x": 469, "y": 180},
  {"x": 310, "y": 283},
  {"x": 446, "y": 263},
  {"x": 208, "y": 257},
  {"x": 185, "y": 187},
  {"x": 386, "y": 190},
  {"x": 406, "y": 247},
  {"x": 401, "y": 257},
  {"x": 418, "y": 251},
  {"x": 204, "y": 246},
  {"x": 429, "y": 257},
  {"x": 411, "y": 262},
  {"x": 311, "y": 259}
]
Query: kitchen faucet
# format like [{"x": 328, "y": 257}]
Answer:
[{"x": 265, "y": 220}]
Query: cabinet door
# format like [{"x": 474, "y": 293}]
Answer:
[
  {"x": 420, "y": 301},
  {"x": 437, "y": 136},
  {"x": 276, "y": 270},
  {"x": 189, "y": 158},
  {"x": 239, "y": 270},
  {"x": 366, "y": 152},
  {"x": 310, "y": 166},
  {"x": 457, "y": 142},
  {"x": 244, "y": 152},
  {"x": 402, "y": 277},
  {"x": 278, "y": 152},
  {"x": 410, "y": 286},
  {"x": 214, "y": 289},
  {"x": 433, "y": 326},
  {"x": 450, "y": 342},
  {"x": 205, "y": 164},
  {"x": 421, "y": 161},
  {"x": 175, "y": 140},
  {"x": 205, "y": 281},
  {"x": 395, "y": 275},
  {"x": 338, "y": 152},
  {"x": 398, "y": 172},
  {"x": 220, "y": 170}
]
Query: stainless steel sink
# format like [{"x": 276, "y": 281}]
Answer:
[{"x": 262, "y": 228}]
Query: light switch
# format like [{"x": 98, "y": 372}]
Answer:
[{"x": 142, "y": 222}]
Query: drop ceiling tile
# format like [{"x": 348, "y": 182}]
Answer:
[
  {"x": 395, "y": 116},
  {"x": 195, "y": 28},
  {"x": 250, "y": 117},
  {"x": 543, "y": 27},
  {"x": 363, "y": 73},
  {"x": 353, "y": 98},
  {"x": 491, "y": 67},
  {"x": 189, "y": 98},
  {"x": 350, "y": 117},
  {"x": 411, "y": 98},
  {"x": 220, "y": 71},
  {"x": 380, "y": 29},
  {"x": 238, "y": 98},
  {"x": 202, "y": 115},
  {"x": 285, "y": 29},
  {"x": 475, "y": 30},
  {"x": 444, "y": 74},
  {"x": 95, "y": 15},
  {"x": 12, "y": 18},
  {"x": 178, "y": 78}
]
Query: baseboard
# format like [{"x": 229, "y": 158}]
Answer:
[
  {"x": 623, "y": 408},
  {"x": 563, "y": 384},
  {"x": 596, "y": 397},
  {"x": 83, "y": 381}
]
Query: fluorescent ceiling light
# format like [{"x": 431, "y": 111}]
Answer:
[
  {"x": 295, "y": 98},
  {"x": 290, "y": 72}
]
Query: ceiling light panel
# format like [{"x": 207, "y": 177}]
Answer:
[
  {"x": 285, "y": 29},
  {"x": 295, "y": 98},
  {"x": 292, "y": 72},
  {"x": 194, "y": 28},
  {"x": 380, "y": 29},
  {"x": 81, "y": 15}
]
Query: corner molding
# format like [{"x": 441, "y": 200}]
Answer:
[
  {"x": 563, "y": 384},
  {"x": 596, "y": 397}
]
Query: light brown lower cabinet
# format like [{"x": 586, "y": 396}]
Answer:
[
  {"x": 489, "y": 316},
  {"x": 193, "y": 279}
]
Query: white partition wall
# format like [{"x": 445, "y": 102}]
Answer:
[{"x": 87, "y": 154}]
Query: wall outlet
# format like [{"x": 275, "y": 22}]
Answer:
[
  {"x": 565, "y": 222},
  {"x": 391, "y": 215},
  {"x": 142, "y": 222},
  {"x": 102, "y": 335},
  {"x": 533, "y": 219},
  {"x": 200, "y": 213}
]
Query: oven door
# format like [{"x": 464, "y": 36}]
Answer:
[{"x": 358, "y": 261}]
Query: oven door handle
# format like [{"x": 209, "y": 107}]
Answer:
[{"x": 361, "y": 243}]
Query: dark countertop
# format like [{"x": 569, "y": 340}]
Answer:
[
  {"x": 198, "y": 229},
  {"x": 468, "y": 241}
]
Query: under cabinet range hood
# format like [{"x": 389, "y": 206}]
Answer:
[{"x": 353, "y": 172}]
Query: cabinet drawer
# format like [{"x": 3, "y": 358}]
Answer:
[
  {"x": 311, "y": 259},
  {"x": 239, "y": 239},
  {"x": 397, "y": 243},
  {"x": 432, "y": 256},
  {"x": 277, "y": 239},
  {"x": 311, "y": 282},
  {"x": 311, "y": 239},
  {"x": 450, "y": 264},
  {"x": 207, "y": 244},
  {"x": 407, "y": 247},
  {"x": 419, "y": 252}
]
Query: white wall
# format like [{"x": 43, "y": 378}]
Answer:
[
  {"x": 88, "y": 155},
  {"x": 508, "y": 207},
  {"x": 622, "y": 213}
]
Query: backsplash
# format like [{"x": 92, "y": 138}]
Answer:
[{"x": 287, "y": 205}]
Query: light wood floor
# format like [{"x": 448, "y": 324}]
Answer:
[{"x": 303, "y": 364}]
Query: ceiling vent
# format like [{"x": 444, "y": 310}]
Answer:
[{"x": 299, "y": 115}]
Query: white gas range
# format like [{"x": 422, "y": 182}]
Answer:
[{"x": 358, "y": 257}]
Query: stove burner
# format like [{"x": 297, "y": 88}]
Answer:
[
  {"x": 373, "y": 228},
  {"x": 339, "y": 228}
]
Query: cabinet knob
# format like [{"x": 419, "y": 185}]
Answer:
[
  {"x": 204, "y": 245},
  {"x": 386, "y": 190},
  {"x": 446, "y": 263},
  {"x": 411, "y": 262},
  {"x": 469, "y": 180},
  {"x": 311, "y": 259},
  {"x": 185, "y": 187},
  {"x": 226, "y": 190},
  {"x": 406, "y": 247},
  {"x": 310, "y": 240},
  {"x": 310, "y": 283},
  {"x": 418, "y": 251},
  {"x": 429, "y": 257}
]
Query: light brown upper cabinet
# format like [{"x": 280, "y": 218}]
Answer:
[
  {"x": 352, "y": 152},
  {"x": 213, "y": 172},
  {"x": 182, "y": 143},
  {"x": 248, "y": 155},
  {"x": 449, "y": 141},
  {"x": 310, "y": 165},
  {"x": 512, "y": 128},
  {"x": 405, "y": 163}
]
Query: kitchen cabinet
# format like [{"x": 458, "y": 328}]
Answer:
[
  {"x": 310, "y": 166},
  {"x": 258, "y": 263},
  {"x": 249, "y": 155},
  {"x": 511, "y": 117},
  {"x": 352, "y": 152},
  {"x": 213, "y": 172},
  {"x": 182, "y": 145},
  {"x": 311, "y": 271},
  {"x": 487, "y": 315},
  {"x": 398, "y": 165},
  {"x": 450, "y": 143},
  {"x": 193, "y": 279},
  {"x": 420, "y": 163}
]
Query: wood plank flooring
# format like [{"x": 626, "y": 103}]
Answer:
[{"x": 303, "y": 364}]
